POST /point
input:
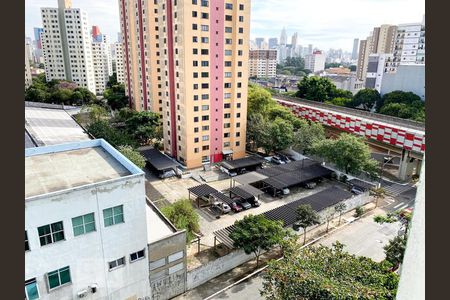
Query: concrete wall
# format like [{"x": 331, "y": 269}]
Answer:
[
  {"x": 88, "y": 255},
  {"x": 408, "y": 78},
  {"x": 215, "y": 268},
  {"x": 169, "y": 285}
]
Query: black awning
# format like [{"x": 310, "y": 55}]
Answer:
[
  {"x": 158, "y": 160},
  {"x": 238, "y": 191},
  {"x": 246, "y": 162},
  {"x": 361, "y": 184},
  {"x": 202, "y": 190},
  {"x": 323, "y": 199},
  {"x": 222, "y": 197}
]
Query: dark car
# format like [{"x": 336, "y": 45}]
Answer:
[
  {"x": 253, "y": 202},
  {"x": 235, "y": 207},
  {"x": 245, "y": 204},
  {"x": 356, "y": 190},
  {"x": 284, "y": 158},
  {"x": 277, "y": 160}
]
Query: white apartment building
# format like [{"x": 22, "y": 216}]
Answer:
[
  {"x": 410, "y": 44},
  {"x": 263, "y": 63},
  {"x": 102, "y": 62},
  {"x": 66, "y": 45},
  {"x": 315, "y": 62},
  {"x": 378, "y": 65},
  {"x": 85, "y": 224},
  {"x": 28, "y": 79},
  {"x": 118, "y": 62}
]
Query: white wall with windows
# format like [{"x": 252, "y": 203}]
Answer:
[{"x": 89, "y": 236}]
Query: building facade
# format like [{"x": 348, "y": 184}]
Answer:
[
  {"x": 273, "y": 43},
  {"x": 410, "y": 44},
  {"x": 408, "y": 78},
  {"x": 263, "y": 63},
  {"x": 259, "y": 42},
  {"x": 101, "y": 56},
  {"x": 192, "y": 68},
  {"x": 378, "y": 65},
  {"x": 85, "y": 224},
  {"x": 38, "y": 45},
  {"x": 28, "y": 79},
  {"x": 315, "y": 62},
  {"x": 118, "y": 62},
  {"x": 355, "y": 49},
  {"x": 66, "y": 43}
]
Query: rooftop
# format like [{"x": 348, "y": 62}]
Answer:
[
  {"x": 157, "y": 227},
  {"x": 51, "y": 126},
  {"x": 66, "y": 166}
]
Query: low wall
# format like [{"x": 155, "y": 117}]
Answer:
[{"x": 215, "y": 268}]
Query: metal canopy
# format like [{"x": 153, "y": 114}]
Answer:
[
  {"x": 251, "y": 190},
  {"x": 158, "y": 160},
  {"x": 238, "y": 191},
  {"x": 246, "y": 162},
  {"x": 249, "y": 178},
  {"x": 287, "y": 213},
  {"x": 222, "y": 197},
  {"x": 202, "y": 190}
]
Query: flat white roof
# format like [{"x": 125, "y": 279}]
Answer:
[
  {"x": 50, "y": 126},
  {"x": 62, "y": 167},
  {"x": 156, "y": 227}
]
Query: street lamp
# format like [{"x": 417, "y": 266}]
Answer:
[{"x": 386, "y": 159}]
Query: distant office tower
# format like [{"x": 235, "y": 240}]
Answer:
[
  {"x": 410, "y": 44},
  {"x": 283, "y": 37},
  {"x": 118, "y": 62},
  {"x": 259, "y": 42},
  {"x": 273, "y": 43},
  {"x": 38, "y": 45},
  {"x": 355, "y": 49},
  {"x": 315, "y": 62},
  {"x": 67, "y": 46},
  {"x": 263, "y": 63},
  {"x": 96, "y": 33},
  {"x": 310, "y": 49},
  {"x": 191, "y": 64},
  {"x": 28, "y": 79},
  {"x": 119, "y": 37},
  {"x": 29, "y": 49},
  {"x": 101, "y": 57},
  {"x": 294, "y": 40}
]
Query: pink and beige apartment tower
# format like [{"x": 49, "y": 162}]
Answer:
[{"x": 188, "y": 60}]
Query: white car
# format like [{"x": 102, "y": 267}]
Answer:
[
  {"x": 224, "y": 208},
  {"x": 286, "y": 191}
]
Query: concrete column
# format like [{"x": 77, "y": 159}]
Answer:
[{"x": 407, "y": 165}]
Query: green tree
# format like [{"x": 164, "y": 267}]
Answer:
[
  {"x": 255, "y": 234},
  {"x": 307, "y": 135},
  {"x": 395, "y": 250},
  {"x": 378, "y": 193},
  {"x": 402, "y": 216},
  {"x": 259, "y": 100},
  {"x": 366, "y": 98},
  {"x": 103, "y": 129},
  {"x": 143, "y": 126},
  {"x": 115, "y": 96},
  {"x": 112, "y": 80},
  {"x": 183, "y": 216},
  {"x": 340, "y": 101},
  {"x": 329, "y": 215},
  {"x": 359, "y": 211},
  {"x": 316, "y": 88},
  {"x": 306, "y": 217},
  {"x": 352, "y": 68},
  {"x": 94, "y": 113},
  {"x": 34, "y": 94},
  {"x": 256, "y": 125},
  {"x": 324, "y": 273},
  {"x": 133, "y": 155},
  {"x": 340, "y": 208},
  {"x": 280, "y": 135},
  {"x": 348, "y": 153},
  {"x": 61, "y": 96}
]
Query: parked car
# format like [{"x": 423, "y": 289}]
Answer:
[
  {"x": 236, "y": 207},
  {"x": 277, "y": 160},
  {"x": 245, "y": 204},
  {"x": 284, "y": 158},
  {"x": 356, "y": 190},
  {"x": 167, "y": 174},
  {"x": 254, "y": 202},
  {"x": 286, "y": 191},
  {"x": 223, "y": 207},
  {"x": 310, "y": 185}
]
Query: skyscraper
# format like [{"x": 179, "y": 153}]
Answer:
[
  {"x": 273, "y": 43},
  {"x": 190, "y": 64},
  {"x": 310, "y": 49},
  {"x": 259, "y": 42},
  {"x": 294, "y": 40},
  {"x": 283, "y": 37},
  {"x": 38, "y": 45},
  {"x": 63, "y": 60},
  {"x": 355, "y": 49},
  {"x": 28, "y": 80}
]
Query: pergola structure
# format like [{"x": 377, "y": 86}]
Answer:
[{"x": 201, "y": 191}]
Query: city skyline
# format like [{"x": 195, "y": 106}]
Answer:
[{"x": 324, "y": 28}]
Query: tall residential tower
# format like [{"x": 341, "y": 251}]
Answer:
[{"x": 188, "y": 60}]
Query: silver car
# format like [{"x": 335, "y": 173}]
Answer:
[{"x": 223, "y": 207}]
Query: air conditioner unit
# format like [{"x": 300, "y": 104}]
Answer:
[
  {"x": 93, "y": 288},
  {"x": 82, "y": 293}
]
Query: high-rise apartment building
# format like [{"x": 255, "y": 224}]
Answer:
[
  {"x": 66, "y": 43},
  {"x": 263, "y": 63},
  {"x": 101, "y": 57},
  {"x": 118, "y": 62},
  {"x": 259, "y": 42},
  {"x": 315, "y": 62},
  {"x": 294, "y": 40},
  {"x": 189, "y": 60},
  {"x": 28, "y": 79},
  {"x": 273, "y": 43},
  {"x": 355, "y": 49},
  {"x": 410, "y": 44},
  {"x": 283, "y": 37},
  {"x": 38, "y": 45}
]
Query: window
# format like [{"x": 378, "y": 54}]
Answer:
[
  {"x": 226, "y": 116},
  {"x": 195, "y": 119},
  {"x": 195, "y": 63},
  {"x": 194, "y": 1},
  {"x": 237, "y": 144},
  {"x": 227, "y": 105},
  {"x": 206, "y": 127},
  {"x": 227, "y": 96},
  {"x": 227, "y": 74},
  {"x": 205, "y": 96},
  {"x": 205, "y": 138},
  {"x": 137, "y": 255},
  {"x": 228, "y": 6},
  {"x": 205, "y": 51},
  {"x": 238, "y": 105},
  {"x": 228, "y": 41},
  {"x": 27, "y": 246},
  {"x": 227, "y": 85},
  {"x": 176, "y": 268},
  {"x": 194, "y": 39},
  {"x": 205, "y": 74},
  {"x": 195, "y": 108},
  {"x": 116, "y": 263},
  {"x": 228, "y": 18},
  {"x": 205, "y": 63},
  {"x": 238, "y": 115},
  {"x": 205, "y": 148},
  {"x": 240, "y": 52},
  {"x": 205, "y": 118},
  {"x": 205, "y": 15},
  {"x": 238, "y": 134},
  {"x": 195, "y": 129},
  {"x": 226, "y": 125},
  {"x": 226, "y": 144},
  {"x": 228, "y": 64},
  {"x": 83, "y": 224},
  {"x": 205, "y": 40},
  {"x": 226, "y": 135},
  {"x": 31, "y": 289},
  {"x": 194, "y": 26},
  {"x": 205, "y": 3},
  {"x": 195, "y": 97},
  {"x": 194, "y": 51},
  {"x": 238, "y": 124},
  {"x": 205, "y": 85},
  {"x": 58, "y": 277},
  {"x": 205, "y": 107},
  {"x": 113, "y": 215},
  {"x": 51, "y": 233},
  {"x": 241, "y": 6},
  {"x": 157, "y": 263},
  {"x": 228, "y": 52},
  {"x": 205, "y": 27},
  {"x": 241, "y": 18},
  {"x": 228, "y": 29},
  {"x": 195, "y": 74}
]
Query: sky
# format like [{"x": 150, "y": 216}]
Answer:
[{"x": 323, "y": 23}]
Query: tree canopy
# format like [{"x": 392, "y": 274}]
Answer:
[
  {"x": 349, "y": 153},
  {"x": 324, "y": 273},
  {"x": 306, "y": 217},
  {"x": 316, "y": 88},
  {"x": 406, "y": 105},
  {"x": 367, "y": 98},
  {"x": 183, "y": 216},
  {"x": 133, "y": 155},
  {"x": 115, "y": 94},
  {"x": 255, "y": 234}
]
